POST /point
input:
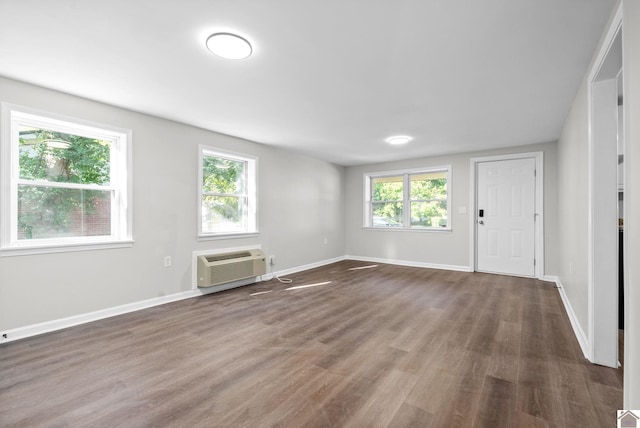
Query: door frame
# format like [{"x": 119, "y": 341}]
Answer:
[
  {"x": 539, "y": 207},
  {"x": 602, "y": 233}
]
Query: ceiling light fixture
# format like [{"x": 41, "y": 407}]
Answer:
[
  {"x": 229, "y": 46},
  {"x": 398, "y": 140}
]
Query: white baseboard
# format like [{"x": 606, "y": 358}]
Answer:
[
  {"x": 62, "y": 323},
  {"x": 279, "y": 273},
  {"x": 59, "y": 324},
  {"x": 411, "y": 264},
  {"x": 577, "y": 330}
]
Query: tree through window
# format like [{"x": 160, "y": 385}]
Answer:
[
  {"x": 228, "y": 196},
  {"x": 67, "y": 181},
  {"x": 417, "y": 199},
  {"x": 64, "y": 185}
]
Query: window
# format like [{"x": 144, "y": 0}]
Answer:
[
  {"x": 227, "y": 194},
  {"x": 408, "y": 200},
  {"x": 65, "y": 183}
]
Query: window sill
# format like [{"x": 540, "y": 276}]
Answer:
[
  {"x": 64, "y": 248},
  {"x": 402, "y": 229},
  {"x": 228, "y": 236}
]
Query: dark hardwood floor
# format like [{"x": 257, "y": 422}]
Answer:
[{"x": 376, "y": 347}]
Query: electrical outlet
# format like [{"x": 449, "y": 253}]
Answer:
[{"x": 167, "y": 261}]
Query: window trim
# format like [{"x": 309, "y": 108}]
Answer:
[
  {"x": 406, "y": 199},
  {"x": 251, "y": 193},
  {"x": 120, "y": 162}
]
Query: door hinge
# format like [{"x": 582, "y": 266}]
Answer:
[
  {"x": 535, "y": 172},
  {"x": 534, "y": 262}
]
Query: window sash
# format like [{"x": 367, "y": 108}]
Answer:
[
  {"x": 59, "y": 185},
  {"x": 221, "y": 223},
  {"x": 407, "y": 202},
  {"x": 87, "y": 213},
  {"x": 241, "y": 181},
  {"x": 246, "y": 197}
]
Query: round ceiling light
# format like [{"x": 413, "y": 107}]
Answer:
[
  {"x": 229, "y": 46},
  {"x": 398, "y": 140}
]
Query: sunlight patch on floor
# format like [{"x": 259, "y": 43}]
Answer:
[
  {"x": 363, "y": 267},
  {"x": 308, "y": 285},
  {"x": 260, "y": 292}
]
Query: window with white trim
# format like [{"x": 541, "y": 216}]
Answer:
[
  {"x": 228, "y": 201},
  {"x": 408, "y": 200},
  {"x": 65, "y": 182}
]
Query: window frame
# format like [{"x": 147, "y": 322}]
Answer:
[
  {"x": 251, "y": 193},
  {"x": 406, "y": 175},
  {"x": 121, "y": 230}
]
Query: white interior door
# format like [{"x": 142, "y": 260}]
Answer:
[{"x": 505, "y": 217}]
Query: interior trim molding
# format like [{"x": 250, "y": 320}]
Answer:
[
  {"x": 275, "y": 274},
  {"x": 62, "y": 323},
  {"x": 539, "y": 206},
  {"x": 583, "y": 341},
  {"x": 411, "y": 263},
  {"x": 601, "y": 219}
]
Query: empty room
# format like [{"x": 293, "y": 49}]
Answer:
[{"x": 319, "y": 214}]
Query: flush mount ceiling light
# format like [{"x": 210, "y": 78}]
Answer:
[
  {"x": 229, "y": 46},
  {"x": 398, "y": 140}
]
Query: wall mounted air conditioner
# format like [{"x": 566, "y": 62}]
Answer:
[{"x": 221, "y": 268}]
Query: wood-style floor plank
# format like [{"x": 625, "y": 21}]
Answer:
[{"x": 384, "y": 346}]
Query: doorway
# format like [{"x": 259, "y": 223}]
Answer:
[
  {"x": 506, "y": 221},
  {"x": 605, "y": 207}
]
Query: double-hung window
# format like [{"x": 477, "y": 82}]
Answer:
[
  {"x": 65, "y": 183},
  {"x": 408, "y": 200},
  {"x": 227, "y": 183}
]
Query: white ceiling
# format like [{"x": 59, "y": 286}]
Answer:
[{"x": 332, "y": 78}]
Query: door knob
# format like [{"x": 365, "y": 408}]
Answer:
[{"x": 481, "y": 222}]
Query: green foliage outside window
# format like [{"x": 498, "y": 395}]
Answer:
[
  {"x": 427, "y": 200},
  {"x": 47, "y": 211},
  {"x": 54, "y": 156},
  {"x": 224, "y": 197},
  {"x": 387, "y": 201}
]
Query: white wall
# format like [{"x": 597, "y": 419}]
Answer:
[
  {"x": 573, "y": 206},
  {"x": 439, "y": 247},
  {"x": 631, "y": 70},
  {"x": 300, "y": 204}
]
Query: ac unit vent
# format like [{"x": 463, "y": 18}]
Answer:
[
  {"x": 227, "y": 256},
  {"x": 216, "y": 269}
]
